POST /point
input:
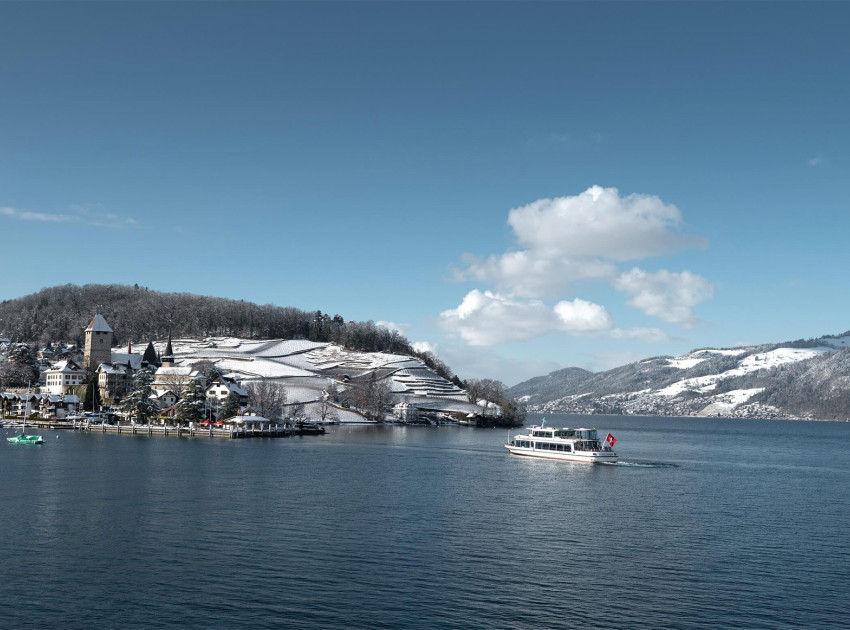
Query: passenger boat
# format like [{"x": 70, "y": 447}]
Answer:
[
  {"x": 573, "y": 445},
  {"x": 25, "y": 439}
]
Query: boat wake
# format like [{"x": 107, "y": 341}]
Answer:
[{"x": 639, "y": 464}]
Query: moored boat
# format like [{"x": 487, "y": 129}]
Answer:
[
  {"x": 25, "y": 439},
  {"x": 573, "y": 445}
]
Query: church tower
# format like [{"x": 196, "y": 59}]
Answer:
[
  {"x": 98, "y": 343},
  {"x": 168, "y": 357}
]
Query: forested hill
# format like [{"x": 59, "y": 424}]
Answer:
[{"x": 139, "y": 314}]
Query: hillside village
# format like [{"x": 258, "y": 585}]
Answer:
[{"x": 207, "y": 380}]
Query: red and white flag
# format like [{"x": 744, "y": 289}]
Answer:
[{"x": 611, "y": 440}]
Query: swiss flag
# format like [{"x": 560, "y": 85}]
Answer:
[{"x": 611, "y": 440}]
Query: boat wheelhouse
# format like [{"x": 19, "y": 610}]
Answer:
[{"x": 574, "y": 445}]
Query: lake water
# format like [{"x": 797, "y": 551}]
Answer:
[{"x": 703, "y": 524}]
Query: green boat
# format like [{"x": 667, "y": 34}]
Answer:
[{"x": 25, "y": 439}]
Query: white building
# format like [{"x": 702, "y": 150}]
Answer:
[
  {"x": 63, "y": 377},
  {"x": 165, "y": 399},
  {"x": 219, "y": 389}
]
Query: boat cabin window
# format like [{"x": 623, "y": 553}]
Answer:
[
  {"x": 589, "y": 445},
  {"x": 564, "y": 433},
  {"x": 587, "y": 434}
]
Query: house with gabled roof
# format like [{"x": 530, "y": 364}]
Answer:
[
  {"x": 219, "y": 389},
  {"x": 57, "y": 405},
  {"x": 114, "y": 379},
  {"x": 63, "y": 377},
  {"x": 165, "y": 399}
]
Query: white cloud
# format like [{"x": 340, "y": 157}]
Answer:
[
  {"x": 88, "y": 214},
  {"x": 580, "y": 316},
  {"x": 579, "y": 238},
  {"x": 424, "y": 346},
  {"x": 816, "y": 161},
  {"x": 666, "y": 295},
  {"x": 487, "y": 318},
  {"x": 582, "y": 238},
  {"x": 534, "y": 273},
  {"x": 399, "y": 328},
  {"x": 24, "y": 215},
  {"x": 599, "y": 223}
]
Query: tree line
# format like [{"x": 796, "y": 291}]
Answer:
[{"x": 139, "y": 314}]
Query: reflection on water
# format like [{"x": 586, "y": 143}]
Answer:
[{"x": 698, "y": 525}]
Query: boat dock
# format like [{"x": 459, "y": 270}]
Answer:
[{"x": 233, "y": 434}]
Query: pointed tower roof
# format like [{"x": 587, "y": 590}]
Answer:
[
  {"x": 98, "y": 324},
  {"x": 150, "y": 355},
  {"x": 168, "y": 351}
]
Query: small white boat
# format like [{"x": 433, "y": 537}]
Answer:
[{"x": 572, "y": 445}]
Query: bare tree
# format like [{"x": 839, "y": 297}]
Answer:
[
  {"x": 374, "y": 398},
  {"x": 327, "y": 412},
  {"x": 299, "y": 414},
  {"x": 209, "y": 369},
  {"x": 267, "y": 397}
]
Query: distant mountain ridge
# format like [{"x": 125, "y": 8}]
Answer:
[{"x": 807, "y": 379}]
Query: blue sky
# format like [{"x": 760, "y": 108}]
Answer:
[{"x": 520, "y": 186}]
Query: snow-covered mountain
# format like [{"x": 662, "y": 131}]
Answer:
[{"x": 800, "y": 379}]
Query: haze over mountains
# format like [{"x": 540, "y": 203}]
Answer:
[{"x": 807, "y": 379}]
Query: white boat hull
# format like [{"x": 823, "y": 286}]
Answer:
[{"x": 590, "y": 457}]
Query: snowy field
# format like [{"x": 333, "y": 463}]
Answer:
[{"x": 306, "y": 368}]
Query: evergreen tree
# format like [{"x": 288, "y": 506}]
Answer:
[
  {"x": 231, "y": 406},
  {"x": 20, "y": 368},
  {"x": 138, "y": 402},
  {"x": 193, "y": 405},
  {"x": 92, "y": 400}
]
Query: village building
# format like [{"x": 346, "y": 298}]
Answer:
[
  {"x": 98, "y": 348},
  {"x": 220, "y": 388},
  {"x": 58, "y": 406},
  {"x": 62, "y": 382},
  {"x": 250, "y": 423},
  {"x": 7, "y": 402},
  {"x": 63, "y": 378},
  {"x": 166, "y": 399},
  {"x": 114, "y": 380}
]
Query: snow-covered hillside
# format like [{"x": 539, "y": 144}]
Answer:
[{"x": 307, "y": 368}]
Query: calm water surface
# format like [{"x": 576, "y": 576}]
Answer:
[{"x": 705, "y": 524}]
